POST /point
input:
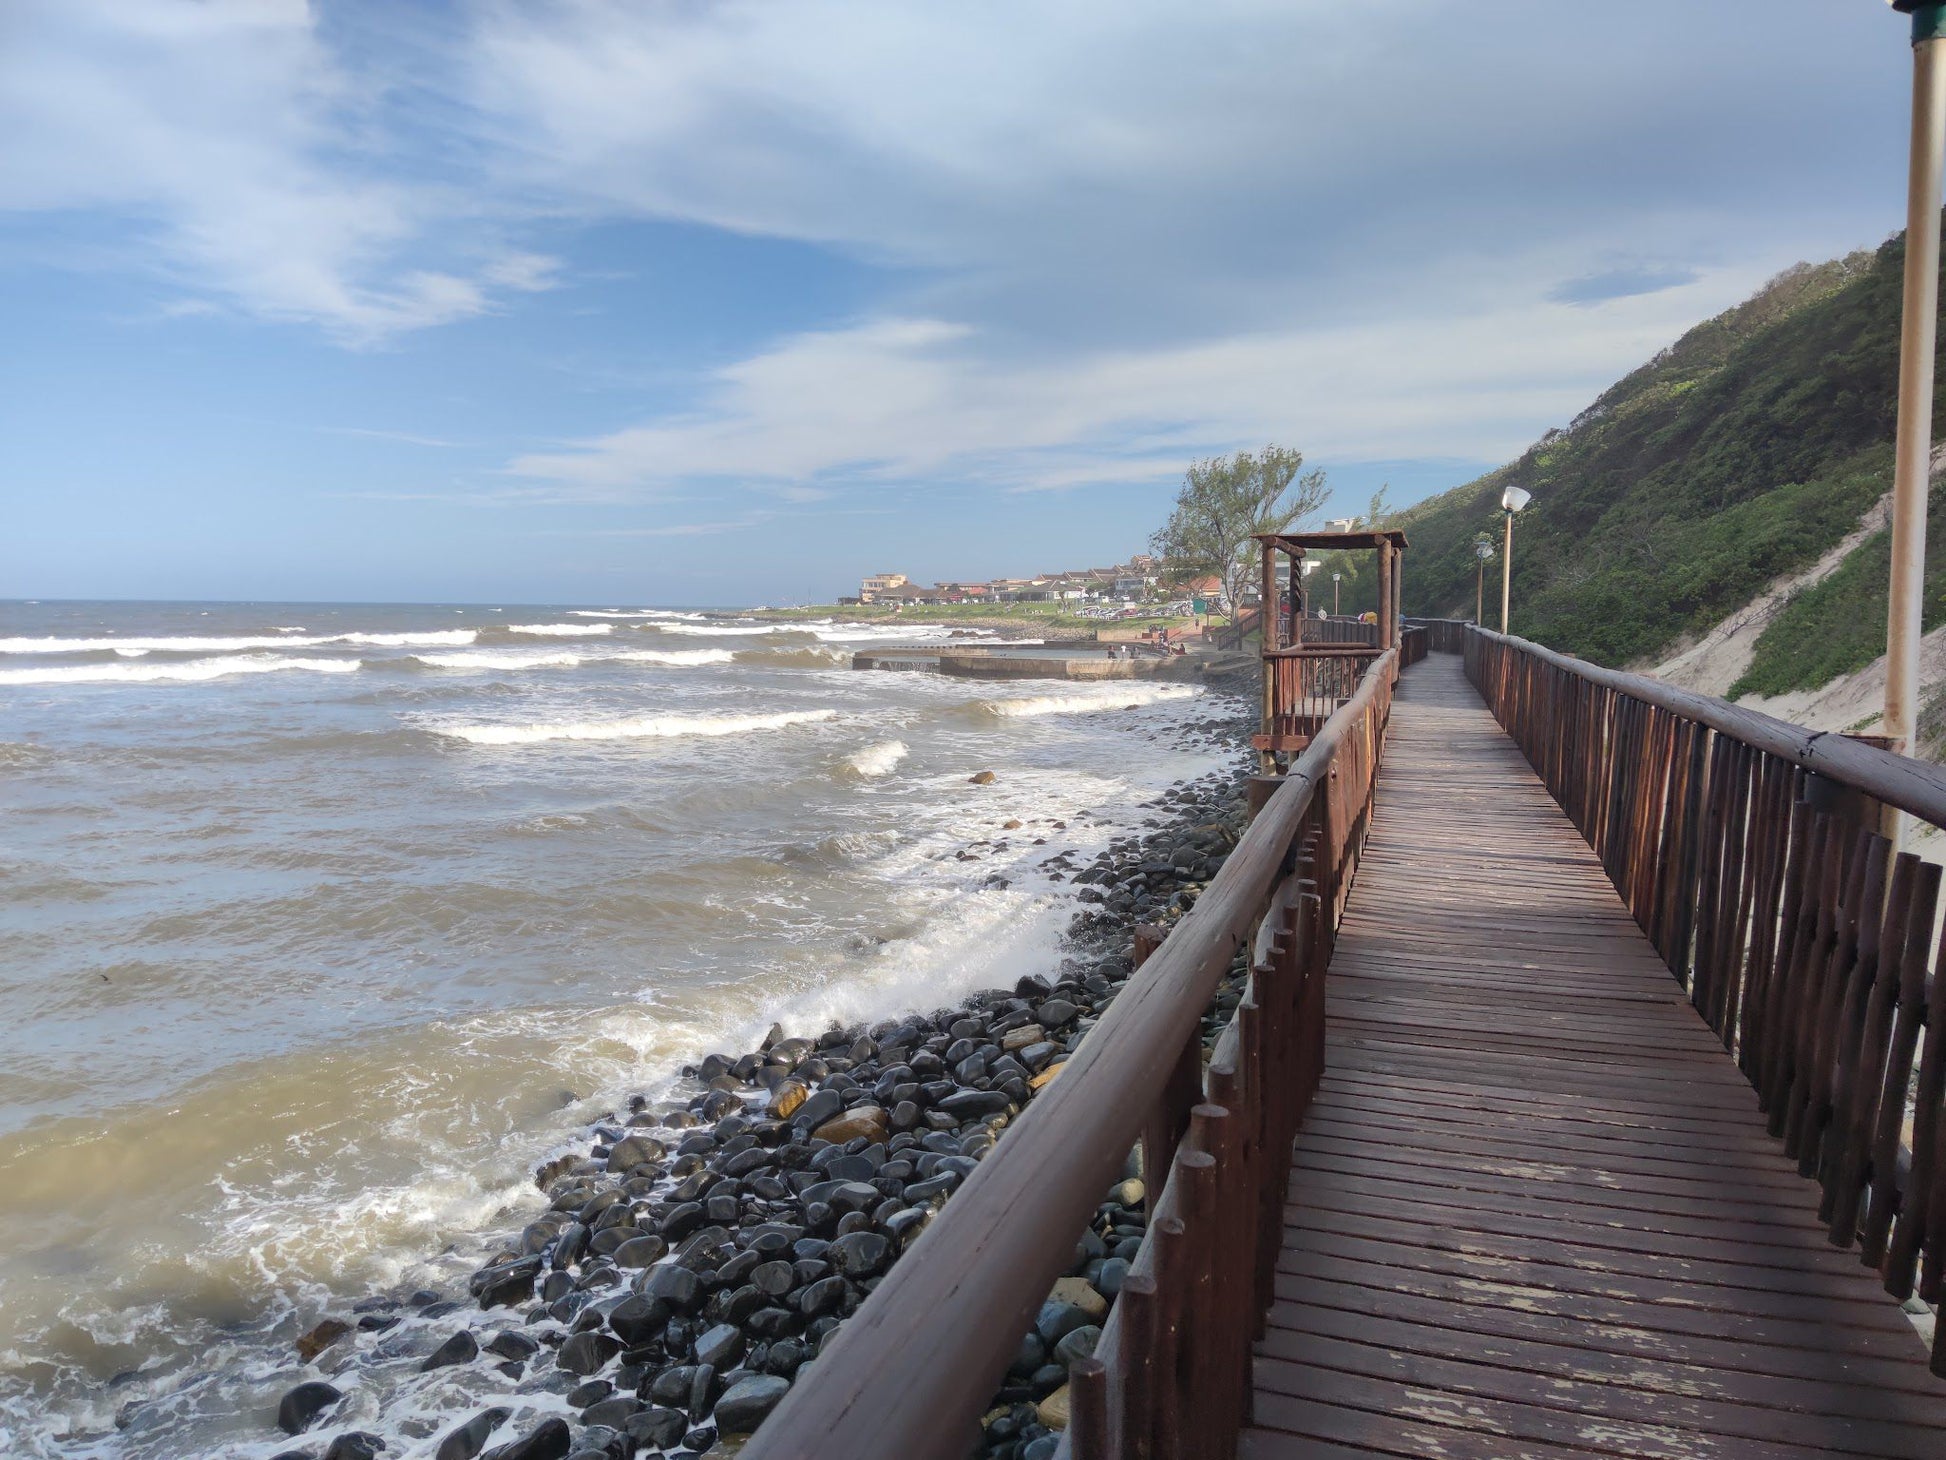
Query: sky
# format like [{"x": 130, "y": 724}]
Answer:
[{"x": 659, "y": 301}]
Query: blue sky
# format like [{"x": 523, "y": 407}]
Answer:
[{"x": 628, "y": 301}]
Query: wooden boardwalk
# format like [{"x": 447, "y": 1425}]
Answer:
[{"x": 1534, "y": 1211}]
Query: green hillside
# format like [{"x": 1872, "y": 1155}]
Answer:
[{"x": 1744, "y": 451}]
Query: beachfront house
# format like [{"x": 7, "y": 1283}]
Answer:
[{"x": 871, "y": 589}]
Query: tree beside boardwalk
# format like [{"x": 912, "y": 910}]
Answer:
[{"x": 1224, "y": 501}]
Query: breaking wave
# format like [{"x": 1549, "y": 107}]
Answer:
[
  {"x": 877, "y": 760},
  {"x": 806, "y": 658},
  {"x": 647, "y": 727},
  {"x": 556, "y": 658},
  {"x": 181, "y": 672},
  {"x": 563, "y": 631},
  {"x": 205, "y": 644},
  {"x": 1118, "y": 697},
  {"x": 631, "y": 613},
  {"x": 732, "y": 629}
]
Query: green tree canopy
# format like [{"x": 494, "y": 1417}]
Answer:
[{"x": 1224, "y": 502}]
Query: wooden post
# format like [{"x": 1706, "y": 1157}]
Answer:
[
  {"x": 1267, "y": 626},
  {"x": 1398, "y": 596},
  {"x": 1385, "y": 640},
  {"x": 1294, "y": 608}
]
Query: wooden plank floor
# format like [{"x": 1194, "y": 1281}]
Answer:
[{"x": 1534, "y": 1212}]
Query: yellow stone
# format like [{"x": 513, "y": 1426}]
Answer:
[
  {"x": 861, "y": 1120},
  {"x": 1022, "y": 1037},
  {"x": 1079, "y": 1292},
  {"x": 1053, "y": 1410},
  {"x": 790, "y": 1095},
  {"x": 1047, "y": 1075}
]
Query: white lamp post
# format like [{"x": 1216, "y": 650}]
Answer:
[
  {"x": 1511, "y": 501},
  {"x": 1336, "y": 579},
  {"x": 1914, "y": 438},
  {"x": 1483, "y": 550}
]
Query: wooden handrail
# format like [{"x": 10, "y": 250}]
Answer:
[
  {"x": 910, "y": 1373},
  {"x": 1443, "y": 635},
  {"x": 1914, "y": 786},
  {"x": 1749, "y": 850}
]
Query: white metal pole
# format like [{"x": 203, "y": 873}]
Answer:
[
  {"x": 1507, "y": 574},
  {"x": 1911, "y": 468},
  {"x": 1915, "y": 390}
]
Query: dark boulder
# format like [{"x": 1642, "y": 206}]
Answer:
[
  {"x": 744, "y": 1406},
  {"x": 297, "y": 1409},
  {"x": 470, "y": 1438},
  {"x": 861, "y": 1254},
  {"x": 512, "y": 1344},
  {"x": 584, "y": 1353},
  {"x": 720, "y": 1346},
  {"x": 680, "y": 1288},
  {"x": 549, "y": 1441},
  {"x": 461, "y": 1348}
]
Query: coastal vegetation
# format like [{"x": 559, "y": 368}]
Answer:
[
  {"x": 1743, "y": 452},
  {"x": 1224, "y": 502}
]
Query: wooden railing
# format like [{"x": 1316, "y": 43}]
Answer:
[
  {"x": 1232, "y": 635},
  {"x": 1414, "y": 642},
  {"x": 911, "y": 1372},
  {"x": 1750, "y": 852},
  {"x": 1303, "y": 688},
  {"x": 1443, "y": 635},
  {"x": 1341, "y": 630}
]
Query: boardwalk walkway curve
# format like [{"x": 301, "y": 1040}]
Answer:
[{"x": 1534, "y": 1211}]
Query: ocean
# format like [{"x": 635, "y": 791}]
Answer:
[{"x": 325, "y": 924}]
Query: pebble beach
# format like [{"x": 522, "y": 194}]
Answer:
[{"x": 700, "y": 1249}]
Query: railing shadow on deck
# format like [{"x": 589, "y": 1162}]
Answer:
[
  {"x": 913, "y": 1370},
  {"x": 1750, "y": 852}
]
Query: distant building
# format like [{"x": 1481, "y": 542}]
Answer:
[
  {"x": 877, "y": 584},
  {"x": 1342, "y": 524}
]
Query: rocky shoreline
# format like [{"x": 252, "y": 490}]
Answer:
[{"x": 693, "y": 1262}]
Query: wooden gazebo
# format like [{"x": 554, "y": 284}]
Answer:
[{"x": 1313, "y": 663}]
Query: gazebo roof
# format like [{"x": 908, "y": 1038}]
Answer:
[{"x": 1298, "y": 542}]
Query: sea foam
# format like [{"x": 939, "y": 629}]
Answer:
[
  {"x": 553, "y": 658},
  {"x": 647, "y": 727},
  {"x": 1107, "y": 697},
  {"x": 188, "y": 671},
  {"x": 877, "y": 760},
  {"x": 211, "y": 644},
  {"x": 561, "y": 631}
]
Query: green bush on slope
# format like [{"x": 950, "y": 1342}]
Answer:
[
  {"x": 1744, "y": 451},
  {"x": 1838, "y": 625}
]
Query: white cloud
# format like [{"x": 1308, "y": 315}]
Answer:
[
  {"x": 226, "y": 132},
  {"x": 1136, "y": 230},
  {"x": 899, "y": 400}
]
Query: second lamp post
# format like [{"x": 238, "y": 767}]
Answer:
[{"x": 1511, "y": 501}]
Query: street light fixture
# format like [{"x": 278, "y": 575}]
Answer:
[
  {"x": 1336, "y": 579},
  {"x": 1511, "y": 501}
]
